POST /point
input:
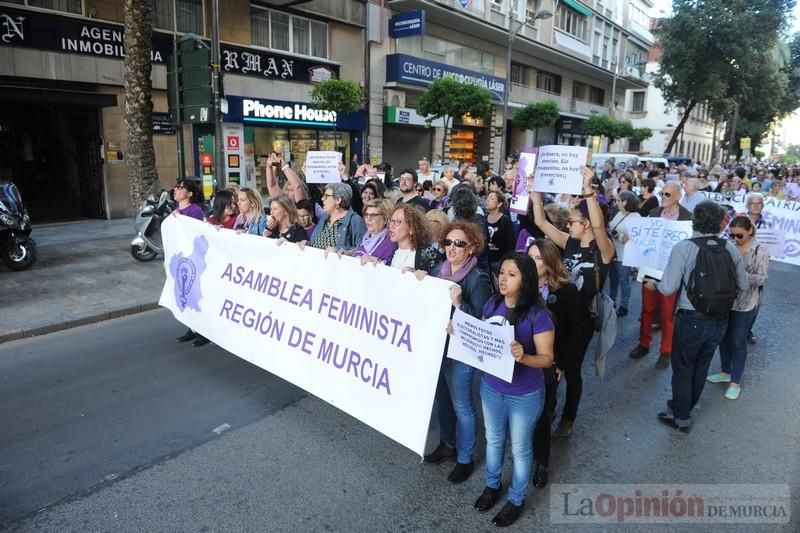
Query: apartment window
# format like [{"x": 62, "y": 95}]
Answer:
[
  {"x": 442, "y": 51},
  {"x": 497, "y": 5},
  {"x": 517, "y": 74},
  {"x": 68, "y": 6},
  {"x": 548, "y": 82},
  {"x": 579, "y": 91},
  {"x": 597, "y": 96},
  {"x": 190, "y": 15},
  {"x": 639, "y": 16},
  {"x": 279, "y": 31},
  {"x": 570, "y": 21},
  {"x": 634, "y": 146},
  {"x": 638, "y": 102}
]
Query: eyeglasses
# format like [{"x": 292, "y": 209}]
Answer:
[
  {"x": 738, "y": 236},
  {"x": 395, "y": 222},
  {"x": 438, "y": 189},
  {"x": 327, "y": 195},
  {"x": 180, "y": 187},
  {"x": 370, "y": 216},
  {"x": 406, "y": 178},
  {"x": 458, "y": 243},
  {"x": 666, "y": 194},
  {"x": 755, "y": 203}
]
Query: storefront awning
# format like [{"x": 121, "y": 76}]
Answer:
[{"x": 578, "y": 7}]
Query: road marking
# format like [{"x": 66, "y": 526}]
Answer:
[{"x": 219, "y": 430}]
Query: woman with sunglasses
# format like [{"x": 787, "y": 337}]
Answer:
[
  {"x": 409, "y": 230},
  {"x": 514, "y": 408},
  {"x": 440, "y": 198},
  {"x": 251, "y": 217},
  {"x": 376, "y": 245},
  {"x": 189, "y": 198},
  {"x": 586, "y": 247},
  {"x": 733, "y": 346},
  {"x": 455, "y": 409},
  {"x": 561, "y": 298}
]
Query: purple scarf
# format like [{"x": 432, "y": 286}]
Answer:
[
  {"x": 446, "y": 272},
  {"x": 371, "y": 242}
]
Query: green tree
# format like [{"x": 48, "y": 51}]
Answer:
[
  {"x": 534, "y": 116},
  {"x": 708, "y": 51},
  {"x": 340, "y": 96},
  {"x": 137, "y": 107},
  {"x": 446, "y": 98},
  {"x": 601, "y": 126},
  {"x": 640, "y": 134}
]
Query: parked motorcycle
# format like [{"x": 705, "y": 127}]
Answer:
[
  {"x": 147, "y": 244},
  {"x": 17, "y": 248}
]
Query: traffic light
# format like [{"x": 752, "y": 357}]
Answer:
[{"x": 191, "y": 73}]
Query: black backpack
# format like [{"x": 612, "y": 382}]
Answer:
[{"x": 712, "y": 285}]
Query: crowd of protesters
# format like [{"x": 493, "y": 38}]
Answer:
[{"x": 538, "y": 271}]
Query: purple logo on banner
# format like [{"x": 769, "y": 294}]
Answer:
[{"x": 186, "y": 272}]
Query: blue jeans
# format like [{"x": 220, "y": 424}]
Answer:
[
  {"x": 521, "y": 413},
  {"x": 620, "y": 277},
  {"x": 455, "y": 408},
  {"x": 732, "y": 347},
  {"x": 694, "y": 341}
]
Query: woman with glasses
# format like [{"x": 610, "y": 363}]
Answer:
[
  {"x": 283, "y": 221},
  {"x": 189, "y": 198},
  {"x": 586, "y": 247},
  {"x": 251, "y": 217},
  {"x": 339, "y": 226},
  {"x": 733, "y": 347},
  {"x": 455, "y": 408},
  {"x": 440, "y": 198},
  {"x": 376, "y": 245},
  {"x": 409, "y": 230},
  {"x": 561, "y": 298}
]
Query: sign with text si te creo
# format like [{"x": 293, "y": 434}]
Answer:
[{"x": 407, "y": 24}]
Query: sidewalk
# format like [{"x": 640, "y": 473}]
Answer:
[{"x": 84, "y": 273}]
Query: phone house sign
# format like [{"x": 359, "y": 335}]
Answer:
[{"x": 256, "y": 111}]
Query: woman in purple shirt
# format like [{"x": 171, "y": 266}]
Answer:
[
  {"x": 376, "y": 247},
  {"x": 517, "y": 404},
  {"x": 189, "y": 198}
]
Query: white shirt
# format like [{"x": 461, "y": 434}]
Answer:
[{"x": 404, "y": 258}]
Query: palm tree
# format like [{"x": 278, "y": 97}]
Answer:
[{"x": 137, "y": 108}]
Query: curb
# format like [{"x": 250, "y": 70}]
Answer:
[{"x": 74, "y": 323}]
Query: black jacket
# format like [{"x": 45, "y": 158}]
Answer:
[
  {"x": 428, "y": 259},
  {"x": 476, "y": 289},
  {"x": 562, "y": 304}
]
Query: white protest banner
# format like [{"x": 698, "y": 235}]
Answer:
[
  {"x": 558, "y": 169},
  {"x": 650, "y": 243},
  {"x": 316, "y": 322},
  {"x": 521, "y": 197},
  {"x": 482, "y": 345},
  {"x": 323, "y": 167}
]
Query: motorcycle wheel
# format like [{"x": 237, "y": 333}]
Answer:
[
  {"x": 143, "y": 253},
  {"x": 20, "y": 255}
]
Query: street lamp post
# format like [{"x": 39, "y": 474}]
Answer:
[{"x": 512, "y": 33}]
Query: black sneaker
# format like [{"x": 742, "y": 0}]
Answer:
[
  {"x": 639, "y": 352},
  {"x": 663, "y": 360},
  {"x": 540, "y": 475},
  {"x": 443, "y": 452},
  {"x": 200, "y": 341},
  {"x": 487, "y": 499},
  {"x": 622, "y": 311},
  {"x": 669, "y": 421},
  {"x": 188, "y": 336},
  {"x": 507, "y": 515},
  {"x": 460, "y": 473}
]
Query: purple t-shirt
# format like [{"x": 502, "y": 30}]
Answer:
[
  {"x": 526, "y": 379},
  {"x": 192, "y": 210}
]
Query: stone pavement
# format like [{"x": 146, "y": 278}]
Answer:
[{"x": 84, "y": 273}]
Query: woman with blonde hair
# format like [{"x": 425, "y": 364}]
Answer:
[
  {"x": 283, "y": 221},
  {"x": 437, "y": 220},
  {"x": 251, "y": 217},
  {"x": 561, "y": 298},
  {"x": 376, "y": 244}
]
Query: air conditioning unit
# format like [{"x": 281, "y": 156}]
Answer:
[{"x": 394, "y": 98}]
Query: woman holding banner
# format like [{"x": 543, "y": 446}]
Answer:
[
  {"x": 470, "y": 290},
  {"x": 283, "y": 221},
  {"x": 409, "y": 230},
  {"x": 376, "y": 245},
  {"x": 251, "y": 217},
  {"x": 516, "y": 405},
  {"x": 339, "y": 226},
  {"x": 588, "y": 253},
  {"x": 733, "y": 347},
  {"x": 561, "y": 298}
]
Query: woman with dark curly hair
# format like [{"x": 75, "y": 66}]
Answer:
[{"x": 409, "y": 230}]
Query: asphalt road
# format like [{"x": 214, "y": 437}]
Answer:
[{"x": 111, "y": 427}]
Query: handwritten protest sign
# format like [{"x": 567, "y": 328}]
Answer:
[
  {"x": 774, "y": 239},
  {"x": 481, "y": 345},
  {"x": 527, "y": 165},
  {"x": 298, "y": 314},
  {"x": 323, "y": 167},
  {"x": 558, "y": 169},
  {"x": 651, "y": 241}
]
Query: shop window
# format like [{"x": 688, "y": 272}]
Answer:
[
  {"x": 548, "y": 82},
  {"x": 570, "y": 21},
  {"x": 290, "y": 33},
  {"x": 68, "y": 6},
  {"x": 190, "y": 15},
  {"x": 638, "y": 102}
]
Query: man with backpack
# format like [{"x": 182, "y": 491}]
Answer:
[{"x": 706, "y": 272}]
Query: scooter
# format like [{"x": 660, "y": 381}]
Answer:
[
  {"x": 147, "y": 244},
  {"x": 16, "y": 246}
]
